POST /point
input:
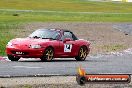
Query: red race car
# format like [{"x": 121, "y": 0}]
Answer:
[{"x": 47, "y": 44}]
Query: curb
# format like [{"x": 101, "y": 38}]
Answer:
[
  {"x": 38, "y": 75},
  {"x": 2, "y": 58}
]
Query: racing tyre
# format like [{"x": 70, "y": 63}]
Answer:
[
  {"x": 48, "y": 54},
  {"x": 13, "y": 58},
  {"x": 82, "y": 54}
]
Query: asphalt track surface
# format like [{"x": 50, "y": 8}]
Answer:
[{"x": 112, "y": 63}]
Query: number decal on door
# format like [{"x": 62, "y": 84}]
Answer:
[{"x": 67, "y": 47}]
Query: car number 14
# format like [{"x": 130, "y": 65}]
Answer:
[{"x": 67, "y": 47}]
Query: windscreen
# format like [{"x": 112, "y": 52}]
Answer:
[{"x": 45, "y": 34}]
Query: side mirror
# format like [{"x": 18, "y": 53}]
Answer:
[{"x": 66, "y": 39}]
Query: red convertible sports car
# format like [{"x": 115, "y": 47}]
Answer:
[{"x": 47, "y": 44}]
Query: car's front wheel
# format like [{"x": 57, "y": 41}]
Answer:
[
  {"x": 82, "y": 54},
  {"x": 48, "y": 54},
  {"x": 13, "y": 58}
]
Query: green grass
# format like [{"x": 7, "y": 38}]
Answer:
[
  {"x": 7, "y": 16},
  {"x": 5, "y": 36},
  {"x": 66, "y": 5},
  {"x": 107, "y": 12}
]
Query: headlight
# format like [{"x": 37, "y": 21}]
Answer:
[
  {"x": 35, "y": 46},
  {"x": 9, "y": 44}
]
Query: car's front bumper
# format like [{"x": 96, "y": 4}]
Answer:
[{"x": 27, "y": 53}]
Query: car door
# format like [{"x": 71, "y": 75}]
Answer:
[{"x": 67, "y": 45}]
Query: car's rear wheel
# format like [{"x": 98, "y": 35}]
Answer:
[
  {"x": 13, "y": 58},
  {"x": 82, "y": 54},
  {"x": 48, "y": 54}
]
